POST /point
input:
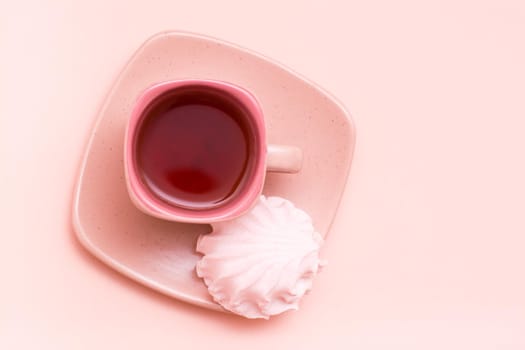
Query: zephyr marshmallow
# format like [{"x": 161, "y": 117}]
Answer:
[{"x": 262, "y": 263}]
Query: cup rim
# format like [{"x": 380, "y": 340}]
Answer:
[{"x": 148, "y": 203}]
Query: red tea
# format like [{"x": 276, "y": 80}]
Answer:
[{"x": 192, "y": 148}]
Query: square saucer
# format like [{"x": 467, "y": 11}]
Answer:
[{"x": 161, "y": 254}]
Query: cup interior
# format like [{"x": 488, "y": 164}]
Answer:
[{"x": 176, "y": 123}]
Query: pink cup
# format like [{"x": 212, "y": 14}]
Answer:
[{"x": 276, "y": 158}]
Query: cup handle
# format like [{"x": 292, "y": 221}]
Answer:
[{"x": 284, "y": 159}]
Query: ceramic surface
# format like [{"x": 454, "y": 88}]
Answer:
[{"x": 161, "y": 254}]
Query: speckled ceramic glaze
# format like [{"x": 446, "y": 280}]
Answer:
[{"x": 161, "y": 254}]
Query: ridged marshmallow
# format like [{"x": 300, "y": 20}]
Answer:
[{"x": 262, "y": 263}]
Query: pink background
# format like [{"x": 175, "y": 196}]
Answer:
[{"x": 427, "y": 251}]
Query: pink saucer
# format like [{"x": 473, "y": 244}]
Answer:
[{"x": 161, "y": 254}]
